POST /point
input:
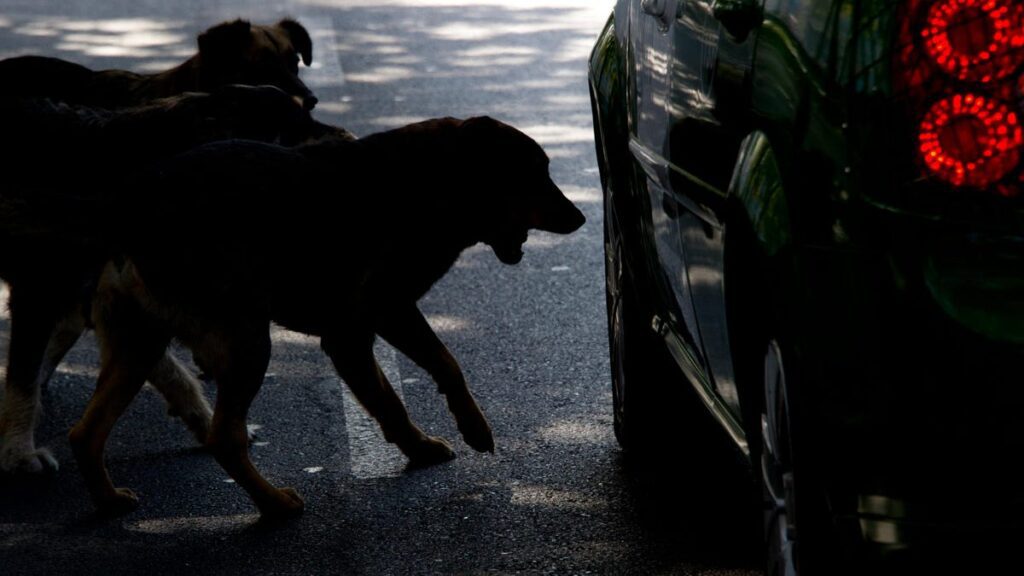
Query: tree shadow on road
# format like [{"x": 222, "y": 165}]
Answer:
[{"x": 553, "y": 499}]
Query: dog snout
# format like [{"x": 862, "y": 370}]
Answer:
[
  {"x": 576, "y": 219},
  {"x": 558, "y": 215},
  {"x": 570, "y": 219}
]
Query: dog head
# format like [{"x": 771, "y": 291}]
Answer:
[
  {"x": 522, "y": 195},
  {"x": 264, "y": 113},
  {"x": 242, "y": 53}
]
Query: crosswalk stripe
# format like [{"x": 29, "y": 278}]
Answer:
[{"x": 370, "y": 456}]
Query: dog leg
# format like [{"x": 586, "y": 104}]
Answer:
[
  {"x": 239, "y": 363},
  {"x": 32, "y": 324},
  {"x": 353, "y": 358},
  {"x": 131, "y": 343},
  {"x": 406, "y": 329},
  {"x": 64, "y": 337},
  {"x": 184, "y": 395}
]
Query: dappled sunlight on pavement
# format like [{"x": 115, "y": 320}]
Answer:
[{"x": 531, "y": 338}]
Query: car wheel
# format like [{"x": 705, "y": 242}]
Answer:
[
  {"x": 658, "y": 421},
  {"x": 799, "y": 532},
  {"x": 777, "y": 468},
  {"x": 630, "y": 347},
  {"x": 644, "y": 377}
]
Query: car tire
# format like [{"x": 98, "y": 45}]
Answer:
[
  {"x": 776, "y": 473},
  {"x": 661, "y": 424},
  {"x": 799, "y": 534},
  {"x": 643, "y": 374}
]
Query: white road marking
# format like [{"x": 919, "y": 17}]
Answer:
[
  {"x": 348, "y": 425},
  {"x": 370, "y": 456},
  {"x": 5, "y": 335},
  {"x": 4, "y": 294}
]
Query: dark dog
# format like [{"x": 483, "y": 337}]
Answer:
[
  {"x": 229, "y": 53},
  {"x": 45, "y": 132},
  {"x": 52, "y": 149},
  {"x": 345, "y": 265}
]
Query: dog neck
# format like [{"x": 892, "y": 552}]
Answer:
[
  {"x": 408, "y": 168},
  {"x": 182, "y": 78}
]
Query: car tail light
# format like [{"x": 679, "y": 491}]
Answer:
[
  {"x": 975, "y": 40},
  {"x": 959, "y": 68},
  {"x": 970, "y": 140}
]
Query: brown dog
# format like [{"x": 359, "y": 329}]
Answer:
[
  {"x": 344, "y": 265},
  {"x": 50, "y": 276},
  {"x": 45, "y": 323},
  {"x": 230, "y": 53}
]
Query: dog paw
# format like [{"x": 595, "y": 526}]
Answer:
[
  {"x": 429, "y": 451},
  {"x": 119, "y": 503},
  {"x": 32, "y": 462},
  {"x": 283, "y": 504}
]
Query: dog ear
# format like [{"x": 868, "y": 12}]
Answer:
[
  {"x": 224, "y": 39},
  {"x": 300, "y": 39}
]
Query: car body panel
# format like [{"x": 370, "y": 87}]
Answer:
[
  {"x": 789, "y": 140},
  {"x": 652, "y": 26},
  {"x": 687, "y": 189},
  {"x": 702, "y": 149},
  {"x": 757, "y": 185}
]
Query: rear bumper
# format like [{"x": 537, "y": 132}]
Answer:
[
  {"x": 903, "y": 545},
  {"x": 913, "y": 348}
]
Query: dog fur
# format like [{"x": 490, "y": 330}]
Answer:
[
  {"x": 345, "y": 265},
  {"x": 230, "y": 53},
  {"x": 52, "y": 145},
  {"x": 236, "y": 52}
]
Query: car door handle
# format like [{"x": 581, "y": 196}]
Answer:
[
  {"x": 659, "y": 9},
  {"x": 654, "y": 7},
  {"x": 738, "y": 17}
]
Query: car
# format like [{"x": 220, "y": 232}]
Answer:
[{"x": 814, "y": 241}]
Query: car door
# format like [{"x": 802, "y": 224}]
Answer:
[
  {"x": 652, "y": 24},
  {"x": 709, "y": 74}
]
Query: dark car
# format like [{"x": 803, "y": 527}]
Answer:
[{"x": 814, "y": 233}]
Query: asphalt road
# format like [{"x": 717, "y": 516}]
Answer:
[{"x": 531, "y": 338}]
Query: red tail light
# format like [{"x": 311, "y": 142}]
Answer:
[
  {"x": 974, "y": 40},
  {"x": 970, "y": 140},
  {"x": 960, "y": 70}
]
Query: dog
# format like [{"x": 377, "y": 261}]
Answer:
[
  {"x": 346, "y": 265},
  {"x": 44, "y": 132},
  {"x": 50, "y": 275},
  {"x": 236, "y": 52}
]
